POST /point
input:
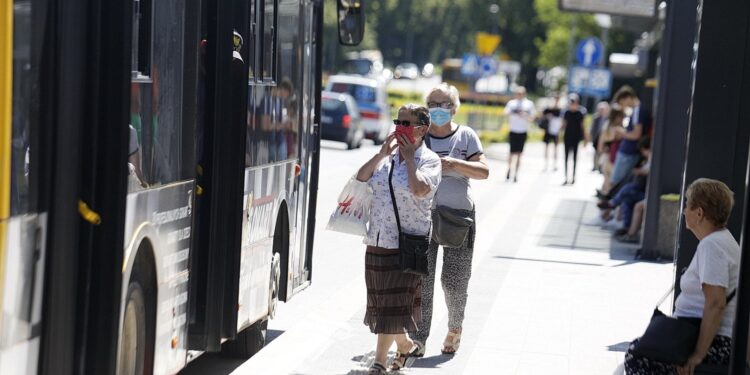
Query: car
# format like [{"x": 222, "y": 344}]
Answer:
[
  {"x": 371, "y": 97},
  {"x": 407, "y": 71},
  {"x": 340, "y": 119}
]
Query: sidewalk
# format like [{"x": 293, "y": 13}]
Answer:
[{"x": 579, "y": 298}]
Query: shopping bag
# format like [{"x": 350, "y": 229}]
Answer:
[{"x": 353, "y": 209}]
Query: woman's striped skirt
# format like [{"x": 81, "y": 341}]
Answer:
[{"x": 394, "y": 298}]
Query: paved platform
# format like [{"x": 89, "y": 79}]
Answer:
[{"x": 548, "y": 295}]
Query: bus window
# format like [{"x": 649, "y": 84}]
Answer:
[
  {"x": 251, "y": 40},
  {"x": 141, "y": 53},
  {"x": 160, "y": 99},
  {"x": 269, "y": 40}
]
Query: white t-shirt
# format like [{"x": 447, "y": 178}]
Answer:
[
  {"x": 519, "y": 112},
  {"x": 555, "y": 123},
  {"x": 716, "y": 262}
]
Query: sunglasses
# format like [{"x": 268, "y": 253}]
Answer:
[{"x": 398, "y": 122}]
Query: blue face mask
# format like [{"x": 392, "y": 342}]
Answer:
[{"x": 440, "y": 116}]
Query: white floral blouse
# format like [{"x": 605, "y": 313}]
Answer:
[{"x": 414, "y": 212}]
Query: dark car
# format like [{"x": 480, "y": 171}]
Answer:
[{"x": 340, "y": 119}]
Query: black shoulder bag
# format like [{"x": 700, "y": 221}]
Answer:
[
  {"x": 669, "y": 339},
  {"x": 412, "y": 248}
]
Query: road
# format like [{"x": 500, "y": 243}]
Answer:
[{"x": 548, "y": 295}]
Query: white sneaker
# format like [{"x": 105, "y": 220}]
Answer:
[
  {"x": 596, "y": 221},
  {"x": 613, "y": 225}
]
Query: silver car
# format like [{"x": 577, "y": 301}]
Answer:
[{"x": 371, "y": 98}]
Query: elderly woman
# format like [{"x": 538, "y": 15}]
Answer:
[
  {"x": 393, "y": 297},
  {"x": 462, "y": 159},
  {"x": 712, "y": 275}
]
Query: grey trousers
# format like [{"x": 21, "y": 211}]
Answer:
[{"x": 455, "y": 280}]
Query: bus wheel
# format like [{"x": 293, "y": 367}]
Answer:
[
  {"x": 273, "y": 293},
  {"x": 248, "y": 342},
  {"x": 133, "y": 338}
]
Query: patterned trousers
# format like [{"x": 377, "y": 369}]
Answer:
[
  {"x": 718, "y": 354},
  {"x": 455, "y": 280}
]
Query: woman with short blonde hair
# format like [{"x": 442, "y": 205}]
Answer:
[
  {"x": 707, "y": 286},
  {"x": 462, "y": 159}
]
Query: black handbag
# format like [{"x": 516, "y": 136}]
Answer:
[
  {"x": 450, "y": 226},
  {"x": 412, "y": 247},
  {"x": 670, "y": 339}
]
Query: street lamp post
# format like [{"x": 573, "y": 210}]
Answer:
[{"x": 494, "y": 10}]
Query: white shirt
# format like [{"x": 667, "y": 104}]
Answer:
[
  {"x": 518, "y": 112},
  {"x": 415, "y": 213},
  {"x": 717, "y": 263}
]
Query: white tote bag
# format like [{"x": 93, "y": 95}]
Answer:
[{"x": 353, "y": 209}]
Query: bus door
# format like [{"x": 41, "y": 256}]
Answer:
[
  {"x": 309, "y": 144},
  {"x": 22, "y": 222},
  {"x": 215, "y": 261}
]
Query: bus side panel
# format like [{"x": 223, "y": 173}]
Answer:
[
  {"x": 162, "y": 218},
  {"x": 265, "y": 190},
  {"x": 22, "y": 298}
]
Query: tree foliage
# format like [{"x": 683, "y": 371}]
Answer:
[{"x": 535, "y": 33}]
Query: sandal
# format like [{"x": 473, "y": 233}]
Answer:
[
  {"x": 420, "y": 349},
  {"x": 451, "y": 343},
  {"x": 377, "y": 369},
  {"x": 399, "y": 361}
]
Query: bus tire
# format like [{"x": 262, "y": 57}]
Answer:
[
  {"x": 248, "y": 342},
  {"x": 274, "y": 284},
  {"x": 133, "y": 338}
]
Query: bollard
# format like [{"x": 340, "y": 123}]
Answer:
[{"x": 669, "y": 211}]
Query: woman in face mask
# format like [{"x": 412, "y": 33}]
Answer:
[{"x": 462, "y": 159}]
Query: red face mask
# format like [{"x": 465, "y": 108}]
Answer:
[{"x": 408, "y": 131}]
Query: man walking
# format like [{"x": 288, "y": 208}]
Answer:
[{"x": 520, "y": 113}]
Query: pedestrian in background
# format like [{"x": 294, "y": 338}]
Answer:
[
  {"x": 597, "y": 125},
  {"x": 394, "y": 297},
  {"x": 462, "y": 159},
  {"x": 552, "y": 116},
  {"x": 637, "y": 126},
  {"x": 572, "y": 125},
  {"x": 707, "y": 286},
  {"x": 520, "y": 113}
]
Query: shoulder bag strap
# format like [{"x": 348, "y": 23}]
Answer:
[
  {"x": 731, "y": 295},
  {"x": 393, "y": 195}
]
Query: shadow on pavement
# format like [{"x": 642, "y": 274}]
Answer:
[
  {"x": 216, "y": 364},
  {"x": 432, "y": 362}
]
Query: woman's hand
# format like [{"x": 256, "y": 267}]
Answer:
[
  {"x": 388, "y": 145},
  {"x": 407, "y": 148},
  {"x": 689, "y": 367},
  {"x": 448, "y": 163}
]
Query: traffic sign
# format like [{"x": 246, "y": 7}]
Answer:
[
  {"x": 589, "y": 51},
  {"x": 487, "y": 43},
  {"x": 590, "y": 81},
  {"x": 470, "y": 64},
  {"x": 487, "y": 66}
]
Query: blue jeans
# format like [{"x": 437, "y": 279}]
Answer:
[
  {"x": 624, "y": 163},
  {"x": 627, "y": 197}
]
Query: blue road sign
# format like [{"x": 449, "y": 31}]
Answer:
[
  {"x": 589, "y": 51},
  {"x": 590, "y": 81},
  {"x": 470, "y": 65},
  {"x": 487, "y": 66}
]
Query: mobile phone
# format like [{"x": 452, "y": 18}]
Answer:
[{"x": 405, "y": 130}]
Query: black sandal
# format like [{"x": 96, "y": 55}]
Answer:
[
  {"x": 399, "y": 361},
  {"x": 377, "y": 369}
]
